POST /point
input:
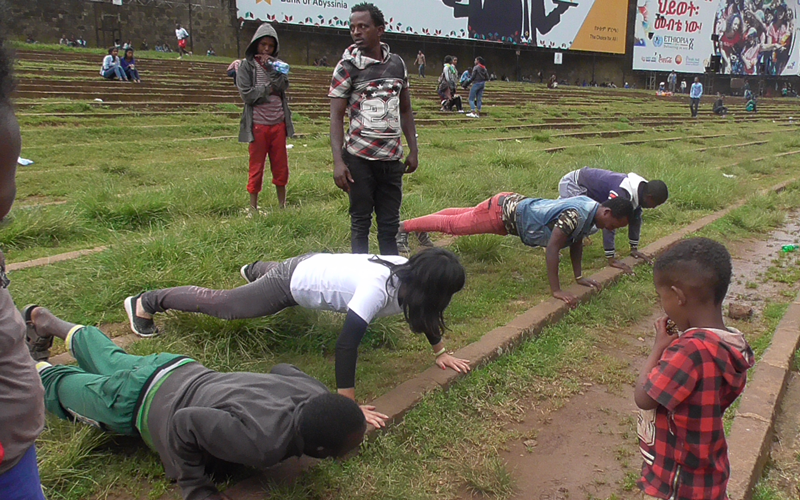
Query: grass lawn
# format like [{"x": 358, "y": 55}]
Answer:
[{"x": 167, "y": 195}]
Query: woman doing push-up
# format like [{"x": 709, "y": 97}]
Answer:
[{"x": 362, "y": 286}]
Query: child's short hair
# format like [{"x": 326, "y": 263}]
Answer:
[{"x": 700, "y": 262}]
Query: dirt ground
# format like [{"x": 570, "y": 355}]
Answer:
[
  {"x": 588, "y": 449},
  {"x": 782, "y": 475}
]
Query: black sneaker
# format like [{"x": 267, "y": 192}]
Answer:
[
  {"x": 39, "y": 346},
  {"x": 247, "y": 272},
  {"x": 402, "y": 242},
  {"x": 140, "y": 326},
  {"x": 425, "y": 240}
]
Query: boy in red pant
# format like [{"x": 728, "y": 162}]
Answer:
[
  {"x": 266, "y": 119},
  {"x": 691, "y": 377}
]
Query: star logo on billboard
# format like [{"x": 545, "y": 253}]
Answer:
[{"x": 268, "y": 2}]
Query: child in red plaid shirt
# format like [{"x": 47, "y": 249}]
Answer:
[{"x": 691, "y": 377}]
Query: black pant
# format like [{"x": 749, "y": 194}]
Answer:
[
  {"x": 694, "y": 104},
  {"x": 454, "y": 102},
  {"x": 377, "y": 186}
]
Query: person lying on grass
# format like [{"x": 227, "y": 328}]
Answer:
[
  {"x": 553, "y": 224},
  {"x": 362, "y": 286},
  {"x": 601, "y": 185},
  {"x": 691, "y": 377},
  {"x": 191, "y": 416}
]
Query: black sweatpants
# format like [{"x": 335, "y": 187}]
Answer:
[{"x": 377, "y": 186}]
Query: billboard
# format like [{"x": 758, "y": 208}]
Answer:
[
  {"x": 591, "y": 25},
  {"x": 754, "y": 37}
]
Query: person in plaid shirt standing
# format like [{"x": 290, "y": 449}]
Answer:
[
  {"x": 691, "y": 377},
  {"x": 371, "y": 84}
]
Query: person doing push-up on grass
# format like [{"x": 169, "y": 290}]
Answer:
[
  {"x": 601, "y": 185},
  {"x": 362, "y": 286},
  {"x": 191, "y": 416},
  {"x": 553, "y": 224}
]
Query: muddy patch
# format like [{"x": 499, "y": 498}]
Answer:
[
  {"x": 751, "y": 284},
  {"x": 587, "y": 449}
]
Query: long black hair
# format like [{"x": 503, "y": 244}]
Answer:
[{"x": 427, "y": 283}]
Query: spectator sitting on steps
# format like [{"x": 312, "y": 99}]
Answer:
[
  {"x": 112, "y": 67},
  {"x": 719, "y": 106},
  {"x": 128, "y": 64}
]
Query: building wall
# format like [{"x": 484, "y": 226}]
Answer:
[{"x": 210, "y": 22}]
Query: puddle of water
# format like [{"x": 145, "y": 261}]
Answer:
[{"x": 751, "y": 262}]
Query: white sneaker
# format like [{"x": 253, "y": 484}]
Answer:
[
  {"x": 473, "y": 115},
  {"x": 461, "y": 111}
]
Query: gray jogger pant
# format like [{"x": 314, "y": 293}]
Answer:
[
  {"x": 267, "y": 295},
  {"x": 568, "y": 186}
]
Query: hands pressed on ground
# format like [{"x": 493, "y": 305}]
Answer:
[
  {"x": 374, "y": 418},
  {"x": 459, "y": 365}
]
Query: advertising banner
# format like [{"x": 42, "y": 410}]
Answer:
[
  {"x": 590, "y": 25},
  {"x": 752, "y": 37}
]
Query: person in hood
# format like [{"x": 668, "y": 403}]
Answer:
[
  {"x": 21, "y": 392},
  {"x": 371, "y": 84},
  {"x": 601, "y": 185},
  {"x": 691, "y": 377},
  {"x": 191, "y": 416},
  {"x": 266, "y": 119}
]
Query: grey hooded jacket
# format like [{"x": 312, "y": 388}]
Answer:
[
  {"x": 253, "y": 95},
  {"x": 199, "y": 417}
]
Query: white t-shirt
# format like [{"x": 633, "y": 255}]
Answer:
[
  {"x": 181, "y": 33},
  {"x": 342, "y": 282}
]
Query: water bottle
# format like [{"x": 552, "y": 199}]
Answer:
[
  {"x": 280, "y": 66},
  {"x": 790, "y": 248}
]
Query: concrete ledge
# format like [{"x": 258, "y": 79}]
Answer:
[
  {"x": 753, "y": 436},
  {"x": 781, "y": 350},
  {"x": 750, "y": 437},
  {"x": 53, "y": 259}
]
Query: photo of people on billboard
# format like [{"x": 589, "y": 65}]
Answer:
[
  {"x": 755, "y": 36},
  {"x": 593, "y": 25},
  {"x": 510, "y": 20}
]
